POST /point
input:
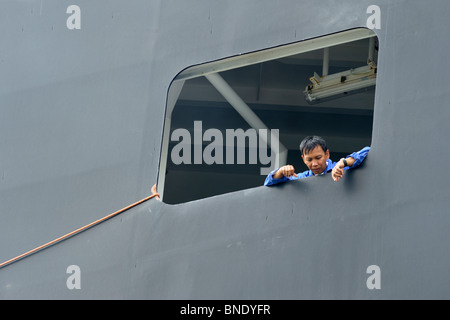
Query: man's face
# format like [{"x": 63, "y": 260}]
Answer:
[{"x": 316, "y": 159}]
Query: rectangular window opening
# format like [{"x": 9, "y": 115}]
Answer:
[{"x": 215, "y": 137}]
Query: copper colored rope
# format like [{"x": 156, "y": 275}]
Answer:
[{"x": 68, "y": 235}]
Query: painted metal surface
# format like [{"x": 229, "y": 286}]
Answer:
[{"x": 81, "y": 128}]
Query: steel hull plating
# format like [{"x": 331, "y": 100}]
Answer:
[{"x": 81, "y": 125}]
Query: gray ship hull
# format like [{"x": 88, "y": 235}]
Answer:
[{"x": 81, "y": 136}]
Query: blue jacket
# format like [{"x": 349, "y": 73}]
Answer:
[{"x": 359, "y": 157}]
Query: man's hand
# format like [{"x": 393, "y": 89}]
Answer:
[
  {"x": 338, "y": 170},
  {"x": 285, "y": 171}
]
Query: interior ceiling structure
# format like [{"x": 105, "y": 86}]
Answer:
[
  {"x": 274, "y": 91},
  {"x": 276, "y": 87}
]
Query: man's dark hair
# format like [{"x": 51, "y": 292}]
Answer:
[{"x": 309, "y": 143}]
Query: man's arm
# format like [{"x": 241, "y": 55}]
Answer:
[
  {"x": 338, "y": 170},
  {"x": 285, "y": 171},
  {"x": 359, "y": 156},
  {"x": 353, "y": 160},
  {"x": 280, "y": 175}
]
